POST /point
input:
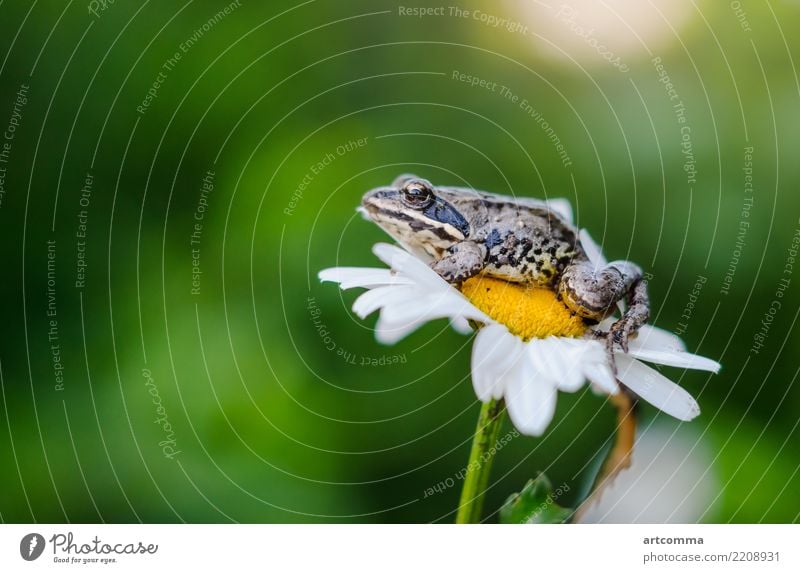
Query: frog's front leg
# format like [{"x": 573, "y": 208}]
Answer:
[
  {"x": 593, "y": 293},
  {"x": 463, "y": 260}
]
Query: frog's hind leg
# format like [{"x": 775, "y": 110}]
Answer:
[{"x": 593, "y": 293}]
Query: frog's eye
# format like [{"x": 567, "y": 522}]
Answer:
[{"x": 417, "y": 195}]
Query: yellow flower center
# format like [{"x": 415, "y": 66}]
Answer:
[{"x": 527, "y": 311}]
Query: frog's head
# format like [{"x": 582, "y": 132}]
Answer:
[{"x": 425, "y": 220}]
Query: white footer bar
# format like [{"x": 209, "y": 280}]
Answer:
[{"x": 400, "y": 548}]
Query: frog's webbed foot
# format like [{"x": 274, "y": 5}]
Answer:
[
  {"x": 618, "y": 335},
  {"x": 464, "y": 260},
  {"x": 635, "y": 316},
  {"x": 609, "y": 338},
  {"x": 593, "y": 294}
]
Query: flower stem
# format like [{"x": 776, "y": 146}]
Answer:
[
  {"x": 619, "y": 456},
  {"x": 481, "y": 457}
]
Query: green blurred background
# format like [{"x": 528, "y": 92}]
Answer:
[{"x": 281, "y": 406}]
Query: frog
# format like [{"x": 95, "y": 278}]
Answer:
[{"x": 463, "y": 232}]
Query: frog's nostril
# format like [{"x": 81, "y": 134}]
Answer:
[{"x": 368, "y": 198}]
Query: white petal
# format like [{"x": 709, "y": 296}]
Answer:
[
  {"x": 350, "y": 277},
  {"x": 602, "y": 378},
  {"x": 590, "y": 356},
  {"x": 409, "y": 265},
  {"x": 656, "y": 389},
  {"x": 435, "y": 305},
  {"x": 654, "y": 338},
  {"x": 593, "y": 250},
  {"x": 592, "y": 360},
  {"x": 494, "y": 352},
  {"x": 461, "y": 325},
  {"x": 561, "y": 206},
  {"x": 676, "y": 358},
  {"x": 390, "y": 254},
  {"x": 555, "y": 360},
  {"x": 371, "y": 300},
  {"x": 531, "y": 401},
  {"x": 390, "y": 332}
]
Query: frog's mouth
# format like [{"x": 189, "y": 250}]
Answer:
[
  {"x": 414, "y": 241},
  {"x": 361, "y": 210},
  {"x": 440, "y": 219}
]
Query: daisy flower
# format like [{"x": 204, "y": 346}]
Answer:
[{"x": 528, "y": 345}]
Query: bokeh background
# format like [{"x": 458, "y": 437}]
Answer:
[{"x": 135, "y": 388}]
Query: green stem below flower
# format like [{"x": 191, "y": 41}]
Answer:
[{"x": 480, "y": 461}]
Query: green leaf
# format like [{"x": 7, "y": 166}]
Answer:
[{"x": 536, "y": 503}]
